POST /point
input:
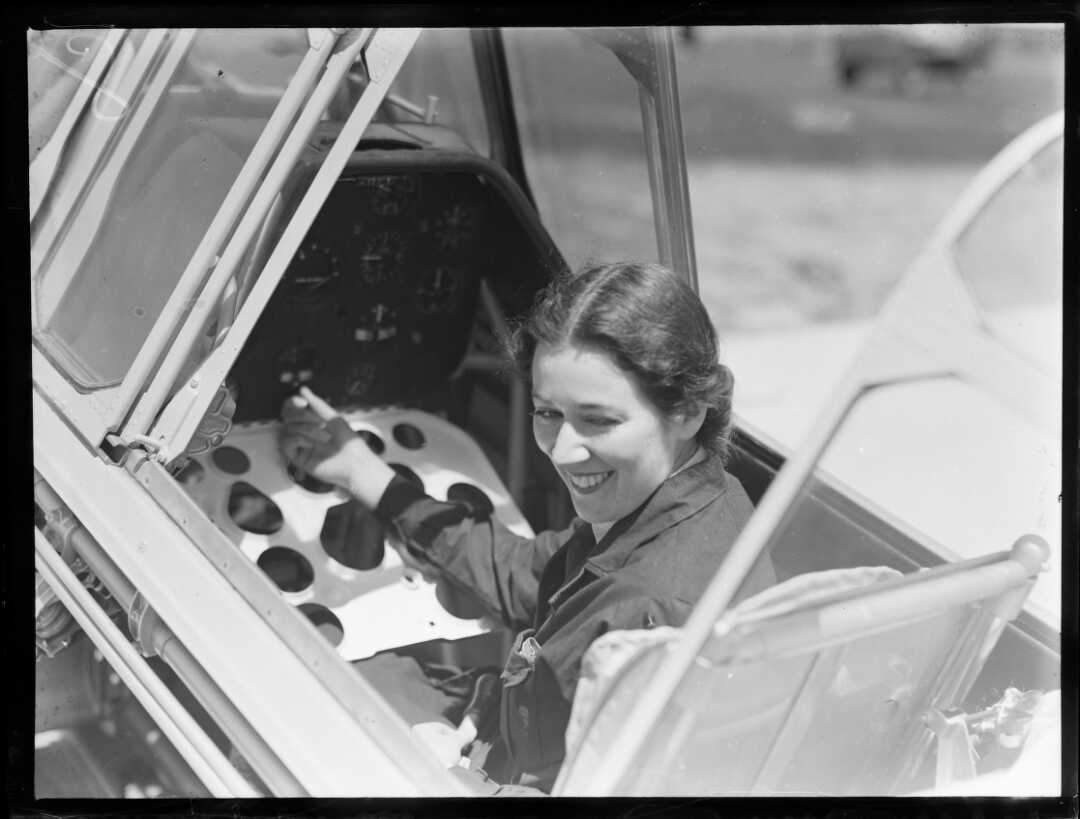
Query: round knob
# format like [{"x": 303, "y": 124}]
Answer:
[{"x": 1031, "y": 551}]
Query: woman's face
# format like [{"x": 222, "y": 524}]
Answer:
[{"x": 611, "y": 445}]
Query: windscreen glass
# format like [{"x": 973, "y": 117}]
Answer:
[
  {"x": 438, "y": 84},
  {"x": 579, "y": 114},
  {"x": 1020, "y": 229},
  {"x": 158, "y": 147}
]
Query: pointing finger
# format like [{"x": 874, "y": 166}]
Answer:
[{"x": 320, "y": 407}]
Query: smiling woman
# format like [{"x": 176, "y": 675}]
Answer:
[
  {"x": 633, "y": 409},
  {"x": 615, "y": 438}
]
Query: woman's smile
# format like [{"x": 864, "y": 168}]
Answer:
[{"x": 586, "y": 482}]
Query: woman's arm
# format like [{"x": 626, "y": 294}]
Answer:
[
  {"x": 480, "y": 554},
  {"x": 501, "y": 568}
]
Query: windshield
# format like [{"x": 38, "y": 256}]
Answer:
[
  {"x": 822, "y": 158},
  {"x": 579, "y": 113},
  {"x": 837, "y": 155},
  {"x": 946, "y": 466},
  {"x": 176, "y": 117},
  {"x": 1020, "y": 228},
  {"x": 439, "y": 79}
]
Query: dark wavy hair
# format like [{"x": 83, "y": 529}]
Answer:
[{"x": 652, "y": 325}]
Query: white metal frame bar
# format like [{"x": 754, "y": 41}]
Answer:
[
  {"x": 329, "y": 750},
  {"x": 385, "y": 54},
  {"x": 519, "y": 411},
  {"x": 354, "y": 693},
  {"x": 198, "y": 750},
  {"x": 227, "y": 215},
  {"x": 666, "y": 156},
  {"x": 150, "y": 403},
  {"x": 43, "y": 168},
  {"x": 159, "y": 638},
  {"x": 999, "y": 170},
  {"x": 771, "y": 514},
  {"x": 937, "y": 344}
]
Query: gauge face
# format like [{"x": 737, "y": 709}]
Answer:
[
  {"x": 454, "y": 226},
  {"x": 313, "y": 271},
  {"x": 359, "y": 379},
  {"x": 376, "y": 323},
  {"x": 379, "y": 257},
  {"x": 393, "y": 195},
  {"x": 436, "y": 291},
  {"x": 295, "y": 365}
]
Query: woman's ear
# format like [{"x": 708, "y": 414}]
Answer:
[{"x": 690, "y": 421}]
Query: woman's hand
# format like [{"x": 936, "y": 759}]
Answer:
[{"x": 324, "y": 446}]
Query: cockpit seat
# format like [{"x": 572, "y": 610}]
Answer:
[{"x": 832, "y": 683}]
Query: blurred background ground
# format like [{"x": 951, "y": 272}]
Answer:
[{"x": 809, "y": 198}]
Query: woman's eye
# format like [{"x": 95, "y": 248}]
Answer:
[
  {"x": 600, "y": 421},
  {"x": 546, "y": 414}
]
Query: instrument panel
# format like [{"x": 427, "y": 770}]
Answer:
[
  {"x": 375, "y": 314},
  {"x": 377, "y": 306}
]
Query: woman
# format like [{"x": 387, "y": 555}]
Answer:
[{"x": 634, "y": 411}]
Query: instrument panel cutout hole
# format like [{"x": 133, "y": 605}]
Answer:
[
  {"x": 252, "y": 511},
  {"x": 308, "y": 482},
  {"x": 408, "y": 474},
  {"x": 289, "y": 569},
  {"x": 409, "y": 436},
  {"x": 192, "y": 474},
  {"x": 230, "y": 460},
  {"x": 472, "y": 498},
  {"x": 353, "y": 536},
  {"x": 372, "y": 440},
  {"x": 325, "y": 621}
]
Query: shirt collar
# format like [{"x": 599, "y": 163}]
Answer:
[
  {"x": 684, "y": 493},
  {"x": 698, "y": 455}
]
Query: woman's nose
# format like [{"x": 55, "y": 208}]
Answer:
[{"x": 569, "y": 447}]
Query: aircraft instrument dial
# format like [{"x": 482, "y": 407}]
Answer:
[
  {"x": 436, "y": 290},
  {"x": 377, "y": 323},
  {"x": 315, "y": 268},
  {"x": 454, "y": 226},
  {"x": 295, "y": 365},
  {"x": 359, "y": 379},
  {"x": 380, "y": 256},
  {"x": 393, "y": 195}
]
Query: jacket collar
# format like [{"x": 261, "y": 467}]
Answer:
[{"x": 676, "y": 499}]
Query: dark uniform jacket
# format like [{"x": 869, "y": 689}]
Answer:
[{"x": 562, "y": 590}]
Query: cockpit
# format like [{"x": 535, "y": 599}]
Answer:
[
  {"x": 414, "y": 255},
  {"x": 220, "y": 219}
]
